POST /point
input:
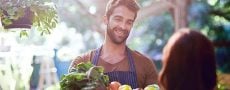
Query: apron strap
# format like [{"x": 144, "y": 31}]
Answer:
[
  {"x": 96, "y": 56},
  {"x": 131, "y": 60},
  {"x": 132, "y": 68}
]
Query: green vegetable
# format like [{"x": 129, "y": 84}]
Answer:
[
  {"x": 85, "y": 76},
  {"x": 152, "y": 87},
  {"x": 94, "y": 72},
  {"x": 84, "y": 67}
]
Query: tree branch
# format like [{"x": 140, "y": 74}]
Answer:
[
  {"x": 97, "y": 23},
  {"x": 221, "y": 14},
  {"x": 156, "y": 8}
]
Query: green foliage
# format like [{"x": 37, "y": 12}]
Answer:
[
  {"x": 10, "y": 75},
  {"x": 213, "y": 18},
  {"x": 222, "y": 81},
  {"x": 155, "y": 32},
  {"x": 219, "y": 17},
  {"x": 222, "y": 9},
  {"x": 82, "y": 67},
  {"x": 84, "y": 76},
  {"x": 45, "y": 18},
  {"x": 23, "y": 33},
  {"x": 45, "y": 15}
]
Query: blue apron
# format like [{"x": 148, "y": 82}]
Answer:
[{"x": 124, "y": 77}]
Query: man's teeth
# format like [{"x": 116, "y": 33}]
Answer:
[{"x": 119, "y": 32}]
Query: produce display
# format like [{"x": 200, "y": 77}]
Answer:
[
  {"x": 86, "y": 76},
  {"x": 152, "y": 87},
  {"x": 115, "y": 85}
]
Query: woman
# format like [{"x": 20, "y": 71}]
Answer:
[{"x": 188, "y": 62}]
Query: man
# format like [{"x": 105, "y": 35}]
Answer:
[{"x": 121, "y": 64}]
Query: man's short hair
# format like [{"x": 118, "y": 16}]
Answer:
[{"x": 130, "y": 4}]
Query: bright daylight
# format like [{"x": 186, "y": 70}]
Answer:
[{"x": 114, "y": 44}]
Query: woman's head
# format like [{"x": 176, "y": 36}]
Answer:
[{"x": 188, "y": 62}]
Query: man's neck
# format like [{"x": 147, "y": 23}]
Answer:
[
  {"x": 113, "y": 49},
  {"x": 113, "y": 53}
]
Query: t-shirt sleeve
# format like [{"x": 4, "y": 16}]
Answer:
[
  {"x": 151, "y": 73},
  {"x": 146, "y": 70}
]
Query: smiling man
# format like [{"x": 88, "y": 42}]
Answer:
[{"x": 121, "y": 63}]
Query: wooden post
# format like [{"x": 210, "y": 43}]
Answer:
[
  {"x": 179, "y": 13},
  {"x": 48, "y": 76}
]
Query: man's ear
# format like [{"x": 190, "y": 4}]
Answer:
[{"x": 105, "y": 20}]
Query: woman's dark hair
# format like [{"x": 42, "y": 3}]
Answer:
[{"x": 188, "y": 62}]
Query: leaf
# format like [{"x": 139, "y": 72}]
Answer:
[
  {"x": 1, "y": 12},
  {"x": 76, "y": 76},
  {"x": 93, "y": 73},
  {"x": 47, "y": 25},
  {"x": 6, "y": 21},
  {"x": 56, "y": 21},
  {"x": 84, "y": 67},
  {"x": 105, "y": 80},
  {"x": 23, "y": 33},
  {"x": 53, "y": 24},
  {"x": 42, "y": 33}
]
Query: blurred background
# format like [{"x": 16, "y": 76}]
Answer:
[{"x": 38, "y": 60}]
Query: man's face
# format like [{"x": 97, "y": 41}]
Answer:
[{"x": 119, "y": 24}]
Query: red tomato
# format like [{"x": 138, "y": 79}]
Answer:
[{"x": 114, "y": 85}]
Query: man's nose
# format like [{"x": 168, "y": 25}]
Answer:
[{"x": 122, "y": 25}]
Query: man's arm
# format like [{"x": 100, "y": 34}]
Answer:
[
  {"x": 79, "y": 59},
  {"x": 74, "y": 63}
]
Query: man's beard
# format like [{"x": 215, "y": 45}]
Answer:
[{"x": 114, "y": 38}]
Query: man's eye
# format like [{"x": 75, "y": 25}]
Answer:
[
  {"x": 130, "y": 23},
  {"x": 117, "y": 19}
]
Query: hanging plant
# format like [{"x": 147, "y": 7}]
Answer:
[{"x": 40, "y": 14}]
